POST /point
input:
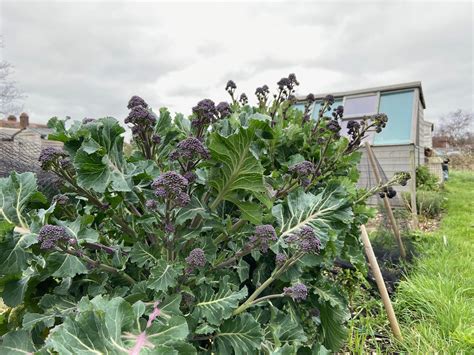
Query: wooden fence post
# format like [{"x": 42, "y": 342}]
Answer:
[
  {"x": 380, "y": 284},
  {"x": 386, "y": 202}
]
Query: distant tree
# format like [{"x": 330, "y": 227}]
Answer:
[
  {"x": 457, "y": 127},
  {"x": 10, "y": 96}
]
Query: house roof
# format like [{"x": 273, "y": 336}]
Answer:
[{"x": 402, "y": 86}]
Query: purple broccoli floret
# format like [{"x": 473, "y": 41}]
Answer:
[
  {"x": 302, "y": 171},
  {"x": 224, "y": 109},
  {"x": 298, "y": 292},
  {"x": 306, "y": 240},
  {"x": 140, "y": 116},
  {"x": 280, "y": 259},
  {"x": 243, "y": 99},
  {"x": 205, "y": 112},
  {"x": 60, "y": 199},
  {"x": 263, "y": 235},
  {"x": 49, "y": 156},
  {"x": 230, "y": 85},
  {"x": 172, "y": 186},
  {"x": 136, "y": 101},
  {"x": 329, "y": 99},
  {"x": 196, "y": 258},
  {"x": 190, "y": 148},
  {"x": 87, "y": 120},
  {"x": 51, "y": 236},
  {"x": 151, "y": 205},
  {"x": 156, "y": 139}
]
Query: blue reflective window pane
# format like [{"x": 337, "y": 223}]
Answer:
[
  {"x": 317, "y": 107},
  {"x": 398, "y": 107},
  {"x": 299, "y": 107}
]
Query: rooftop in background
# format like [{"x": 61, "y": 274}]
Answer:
[
  {"x": 394, "y": 87},
  {"x": 11, "y": 124}
]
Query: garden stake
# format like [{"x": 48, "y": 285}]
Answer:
[
  {"x": 374, "y": 266},
  {"x": 386, "y": 202},
  {"x": 414, "y": 214}
]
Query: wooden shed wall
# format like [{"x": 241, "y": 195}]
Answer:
[{"x": 393, "y": 159}]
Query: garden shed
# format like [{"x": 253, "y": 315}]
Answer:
[{"x": 401, "y": 144}]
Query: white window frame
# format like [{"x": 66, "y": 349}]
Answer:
[{"x": 360, "y": 115}]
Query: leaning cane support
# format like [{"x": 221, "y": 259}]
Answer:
[{"x": 374, "y": 266}]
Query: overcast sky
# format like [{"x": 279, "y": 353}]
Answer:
[{"x": 85, "y": 59}]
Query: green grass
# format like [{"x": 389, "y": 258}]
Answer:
[{"x": 435, "y": 302}]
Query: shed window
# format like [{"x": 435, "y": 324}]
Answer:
[
  {"x": 299, "y": 107},
  {"x": 361, "y": 105},
  {"x": 317, "y": 107}
]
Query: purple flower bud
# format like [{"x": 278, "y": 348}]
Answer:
[
  {"x": 190, "y": 176},
  {"x": 136, "y": 101},
  {"x": 243, "y": 99},
  {"x": 169, "y": 228},
  {"x": 87, "y": 120},
  {"x": 141, "y": 117},
  {"x": 302, "y": 169},
  {"x": 50, "y": 155},
  {"x": 196, "y": 258},
  {"x": 205, "y": 112},
  {"x": 263, "y": 235},
  {"x": 334, "y": 126},
  {"x": 190, "y": 148},
  {"x": 156, "y": 139},
  {"x": 60, "y": 199},
  {"x": 280, "y": 259},
  {"x": 151, "y": 205},
  {"x": 230, "y": 85},
  {"x": 172, "y": 186},
  {"x": 310, "y": 98},
  {"x": 224, "y": 109},
  {"x": 72, "y": 241},
  {"x": 298, "y": 292},
  {"x": 306, "y": 240},
  {"x": 329, "y": 99},
  {"x": 50, "y": 236}
]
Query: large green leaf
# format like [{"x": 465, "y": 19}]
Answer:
[
  {"x": 65, "y": 265},
  {"x": 104, "y": 326},
  {"x": 142, "y": 254},
  {"x": 218, "y": 306},
  {"x": 15, "y": 192},
  {"x": 285, "y": 328},
  {"x": 14, "y": 255},
  {"x": 17, "y": 343},
  {"x": 237, "y": 168},
  {"x": 328, "y": 210},
  {"x": 163, "y": 275},
  {"x": 332, "y": 323},
  {"x": 241, "y": 334},
  {"x": 99, "y": 161}
]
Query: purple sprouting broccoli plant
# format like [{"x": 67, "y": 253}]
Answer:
[
  {"x": 152, "y": 205},
  {"x": 196, "y": 259},
  {"x": 262, "y": 237},
  {"x": 298, "y": 292},
  {"x": 136, "y": 101},
  {"x": 224, "y": 109},
  {"x": 205, "y": 113},
  {"x": 190, "y": 149},
  {"x": 60, "y": 199},
  {"x": 338, "y": 113},
  {"x": 172, "y": 186},
  {"x": 51, "y": 237},
  {"x": 306, "y": 240},
  {"x": 50, "y": 156},
  {"x": 302, "y": 172},
  {"x": 280, "y": 259},
  {"x": 262, "y": 95},
  {"x": 243, "y": 99},
  {"x": 230, "y": 88}
]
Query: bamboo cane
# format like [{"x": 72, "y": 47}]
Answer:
[
  {"x": 374, "y": 266},
  {"x": 386, "y": 202}
]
